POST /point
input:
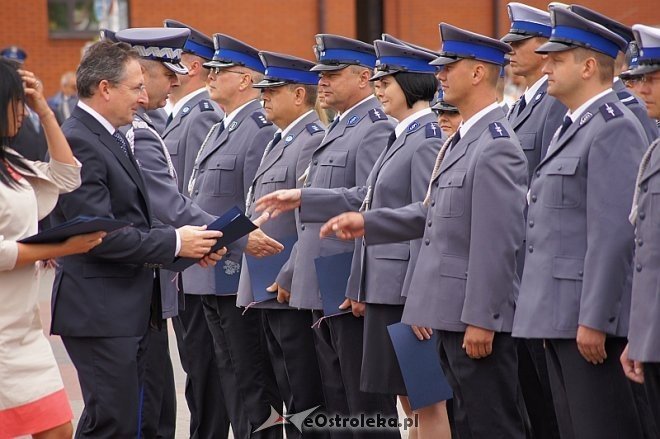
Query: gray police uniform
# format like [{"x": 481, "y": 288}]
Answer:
[
  {"x": 638, "y": 108},
  {"x": 158, "y": 119}
]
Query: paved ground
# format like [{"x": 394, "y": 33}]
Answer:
[{"x": 71, "y": 379}]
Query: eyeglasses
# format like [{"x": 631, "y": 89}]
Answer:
[
  {"x": 649, "y": 78},
  {"x": 217, "y": 70},
  {"x": 137, "y": 89}
]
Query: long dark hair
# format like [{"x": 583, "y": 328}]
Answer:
[
  {"x": 417, "y": 86},
  {"x": 11, "y": 93}
]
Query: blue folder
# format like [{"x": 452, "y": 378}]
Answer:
[
  {"x": 332, "y": 273},
  {"x": 264, "y": 271},
  {"x": 420, "y": 366},
  {"x": 77, "y": 226},
  {"x": 233, "y": 224}
]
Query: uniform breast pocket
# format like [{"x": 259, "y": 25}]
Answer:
[
  {"x": 562, "y": 183},
  {"x": 221, "y": 178},
  {"x": 567, "y": 277},
  {"x": 527, "y": 141},
  {"x": 274, "y": 179},
  {"x": 450, "y": 198},
  {"x": 332, "y": 169}
]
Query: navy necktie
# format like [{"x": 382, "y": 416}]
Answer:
[
  {"x": 169, "y": 119},
  {"x": 333, "y": 124},
  {"x": 122, "y": 143},
  {"x": 271, "y": 145},
  {"x": 455, "y": 140},
  {"x": 522, "y": 104},
  {"x": 564, "y": 126}
]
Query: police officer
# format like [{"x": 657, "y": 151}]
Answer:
[
  {"x": 288, "y": 91},
  {"x": 641, "y": 358},
  {"x": 575, "y": 290},
  {"x": 449, "y": 118},
  {"x": 222, "y": 175},
  {"x": 471, "y": 225},
  {"x": 192, "y": 116},
  {"x": 344, "y": 159},
  {"x": 535, "y": 117},
  {"x": 631, "y": 101}
]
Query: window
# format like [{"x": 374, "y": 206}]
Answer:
[{"x": 83, "y": 18}]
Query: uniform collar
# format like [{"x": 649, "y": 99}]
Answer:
[
  {"x": 582, "y": 108},
  {"x": 401, "y": 126},
  {"x": 345, "y": 113},
  {"x": 293, "y": 124},
  {"x": 531, "y": 91},
  {"x": 230, "y": 117},
  {"x": 184, "y": 100},
  {"x": 467, "y": 124}
]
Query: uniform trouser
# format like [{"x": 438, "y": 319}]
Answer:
[
  {"x": 290, "y": 343},
  {"x": 204, "y": 394},
  {"x": 535, "y": 387},
  {"x": 338, "y": 342},
  {"x": 111, "y": 375},
  {"x": 487, "y": 402},
  {"x": 591, "y": 401},
  {"x": 159, "y": 400},
  {"x": 652, "y": 387},
  {"x": 244, "y": 367}
]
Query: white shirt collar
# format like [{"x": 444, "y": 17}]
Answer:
[
  {"x": 467, "y": 124},
  {"x": 184, "y": 100},
  {"x": 582, "y": 108},
  {"x": 292, "y": 124},
  {"x": 401, "y": 126},
  {"x": 343, "y": 114},
  {"x": 230, "y": 117},
  {"x": 95, "y": 114},
  {"x": 531, "y": 92}
]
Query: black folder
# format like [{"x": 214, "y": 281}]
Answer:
[{"x": 77, "y": 226}]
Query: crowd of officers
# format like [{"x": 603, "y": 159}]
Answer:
[{"x": 506, "y": 236}]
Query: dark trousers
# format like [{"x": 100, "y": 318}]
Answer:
[
  {"x": 535, "y": 387},
  {"x": 487, "y": 403},
  {"x": 159, "y": 399},
  {"x": 290, "y": 342},
  {"x": 244, "y": 367},
  {"x": 652, "y": 387},
  {"x": 338, "y": 342},
  {"x": 204, "y": 394},
  {"x": 111, "y": 375},
  {"x": 591, "y": 401}
]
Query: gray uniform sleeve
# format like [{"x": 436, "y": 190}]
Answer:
[
  {"x": 387, "y": 225},
  {"x": 320, "y": 204}
]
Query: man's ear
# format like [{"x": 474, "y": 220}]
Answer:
[{"x": 103, "y": 88}]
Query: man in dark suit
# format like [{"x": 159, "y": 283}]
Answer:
[{"x": 101, "y": 300}]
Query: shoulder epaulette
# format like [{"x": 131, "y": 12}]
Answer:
[
  {"x": 314, "y": 128},
  {"x": 626, "y": 98},
  {"x": 139, "y": 123},
  {"x": 610, "y": 111},
  {"x": 377, "y": 114},
  {"x": 497, "y": 130},
  {"x": 433, "y": 130},
  {"x": 260, "y": 119},
  {"x": 205, "y": 105}
]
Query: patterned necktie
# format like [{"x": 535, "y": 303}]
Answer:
[
  {"x": 522, "y": 104},
  {"x": 122, "y": 143},
  {"x": 642, "y": 167},
  {"x": 438, "y": 163},
  {"x": 564, "y": 126}
]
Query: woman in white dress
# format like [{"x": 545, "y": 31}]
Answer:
[{"x": 32, "y": 397}]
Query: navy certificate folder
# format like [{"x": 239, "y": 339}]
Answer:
[
  {"x": 332, "y": 273},
  {"x": 77, "y": 226},
  {"x": 264, "y": 271},
  {"x": 420, "y": 366},
  {"x": 233, "y": 224}
]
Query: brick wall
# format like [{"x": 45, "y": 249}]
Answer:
[{"x": 278, "y": 25}]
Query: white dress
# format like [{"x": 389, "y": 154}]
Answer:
[{"x": 32, "y": 397}]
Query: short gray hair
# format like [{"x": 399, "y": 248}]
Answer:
[{"x": 103, "y": 61}]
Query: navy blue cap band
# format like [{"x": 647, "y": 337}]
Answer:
[
  {"x": 343, "y": 56},
  {"x": 292, "y": 75},
  {"x": 531, "y": 28},
  {"x": 198, "y": 49},
  {"x": 233, "y": 56},
  {"x": 412, "y": 65},
  {"x": 649, "y": 53},
  {"x": 581, "y": 36},
  {"x": 470, "y": 50}
]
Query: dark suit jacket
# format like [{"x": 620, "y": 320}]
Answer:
[{"x": 107, "y": 292}]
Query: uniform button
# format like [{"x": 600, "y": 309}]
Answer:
[
  {"x": 640, "y": 242},
  {"x": 315, "y": 162},
  {"x": 580, "y": 273},
  {"x": 531, "y": 223},
  {"x": 432, "y": 203},
  {"x": 612, "y": 319},
  {"x": 201, "y": 171},
  {"x": 249, "y": 215},
  {"x": 533, "y": 198},
  {"x": 638, "y": 267},
  {"x": 302, "y": 227},
  {"x": 437, "y": 183},
  {"x": 427, "y": 241},
  {"x": 196, "y": 192},
  {"x": 496, "y": 316},
  {"x": 645, "y": 187},
  {"x": 331, "y": 160},
  {"x": 429, "y": 223},
  {"x": 538, "y": 173},
  {"x": 272, "y": 178},
  {"x": 531, "y": 249},
  {"x": 307, "y": 184},
  {"x": 642, "y": 215}
]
